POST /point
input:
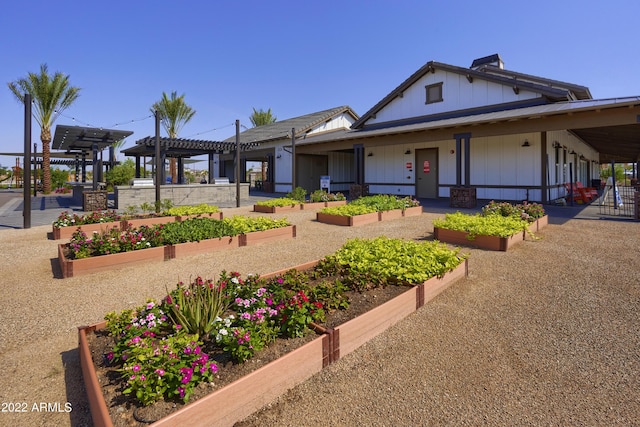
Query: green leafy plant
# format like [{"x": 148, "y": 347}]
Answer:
[
  {"x": 478, "y": 225},
  {"x": 298, "y": 194},
  {"x": 323, "y": 196},
  {"x": 195, "y": 305},
  {"x": 386, "y": 202},
  {"x": 195, "y": 230},
  {"x": 529, "y": 211},
  {"x": 279, "y": 202},
  {"x": 366, "y": 263},
  {"x": 348, "y": 210},
  {"x": 200, "y": 209},
  {"x": 244, "y": 224}
]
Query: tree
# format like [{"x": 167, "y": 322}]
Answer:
[
  {"x": 174, "y": 113},
  {"x": 51, "y": 95},
  {"x": 59, "y": 177},
  {"x": 261, "y": 117},
  {"x": 121, "y": 174}
]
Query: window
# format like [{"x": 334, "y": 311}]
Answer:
[{"x": 434, "y": 93}]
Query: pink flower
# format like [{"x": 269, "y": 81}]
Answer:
[
  {"x": 136, "y": 368},
  {"x": 160, "y": 372}
]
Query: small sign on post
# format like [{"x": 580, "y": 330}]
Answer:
[{"x": 325, "y": 181}]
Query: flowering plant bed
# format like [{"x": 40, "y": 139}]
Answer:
[
  {"x": 67, "y": 224},
  {"x": 289, "y": 303},
  {"x": 102, "y": 251}
]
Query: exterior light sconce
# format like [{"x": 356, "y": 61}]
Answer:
[
  {"x": 556, "y": 144},
  {"x": 370, "y": 154},
  {"x": 407, "y": 152},
  {"x": 572, "y": 152},
  {"x": 279, "y": 156},
  {"x": 452, "y": 151},
  {"x": 582, "y": 157},
  {"x": 526, "y": 143}
]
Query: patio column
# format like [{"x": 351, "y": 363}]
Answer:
[
  {"x": 211, "y": 166},
  {"x": 95, "y": 167},
  {"x": 180, "y": 170}
]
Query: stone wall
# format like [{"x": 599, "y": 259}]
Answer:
[
  {"x": 182, "y": 195},
  {"x": 463, "y": 197}
]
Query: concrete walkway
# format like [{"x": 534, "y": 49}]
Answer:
[{"x": 46, "y": 208}]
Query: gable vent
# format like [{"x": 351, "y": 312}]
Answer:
[{"x": 493, "y": 60}]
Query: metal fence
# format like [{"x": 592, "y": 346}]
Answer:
[{"x": 620, "y": 201}]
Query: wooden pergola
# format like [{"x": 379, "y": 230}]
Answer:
[{"x": 181, "y": 148}]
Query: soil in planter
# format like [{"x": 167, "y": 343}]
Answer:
[{"x": 125, "y": 411}]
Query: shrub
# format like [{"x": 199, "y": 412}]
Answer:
[
  {"x": 323, "y": 196},
  {"x": 298, "y": 194}
]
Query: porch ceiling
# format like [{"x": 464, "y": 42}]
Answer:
[{"x": 614, "y": 143}]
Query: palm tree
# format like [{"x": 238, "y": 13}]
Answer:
[
  {"x": 261, "y": 117},
  {"x": 174, "y": 113},
  {"x": 51, "y": 94}
]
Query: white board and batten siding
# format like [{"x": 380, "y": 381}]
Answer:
[
  {"x": 457, "y": 94},
  {"x": 386, "y": 170}
]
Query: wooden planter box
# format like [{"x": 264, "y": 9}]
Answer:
[
  {"x": 67, "y": 232},
  {"x": 538, "y": 224},
  {"x": 275, "y": 209},
  {"x": 353, "y": 333},
  {"x": 492, "y": 243},
  {"x": 266, "y": 236},
  {"x": 314, "y": 205},
  {"x": 320, "y": 205},
  {"x": 389, "y": 215},
  {"x": 236, "y": 401},
  {"x": 77, "y": 267},
  {"x": 349, "y": 221},
  {"x": 412, "y": 211},
  {"x": 335, "y": 203},
  {"x": 193, "y": 248},
  {"x": 95, "y": 264},
  {"x": 213, "y": 215}
]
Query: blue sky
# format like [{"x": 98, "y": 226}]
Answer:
[{"x": 295, "y": 57}]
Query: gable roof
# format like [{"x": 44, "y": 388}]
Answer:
[
  {"x": 282, "y": 129},
  {"x": 553, "y": 90},
  {"x": 617, "y": 141}
]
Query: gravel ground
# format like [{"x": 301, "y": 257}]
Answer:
[{"x": 545, "y": 334}]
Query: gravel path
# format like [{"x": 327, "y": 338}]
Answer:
[{"x": 545, "y": 334}]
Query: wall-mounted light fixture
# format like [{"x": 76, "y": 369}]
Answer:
[
  {"x": 452, "y": 151},
  {"x": 370, "y": 154},
  {"x": 407, "y": 152},
  {"x": 572, "y": 152},
  {"x": 279, "y": 156},
  {"x": 556, "y": 144},
  {"x": 582, "y": 157},
  {"x": 526, "y": 143}
]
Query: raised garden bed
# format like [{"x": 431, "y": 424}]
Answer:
[
  {"x": 492, "y": 243},
  {"x": 356, "y": 220},
  {"x": 275, "y": 209},
  {"x": 76, "y": 267},
  {"x": 267, "y": 236},
  {"x": 66, "y": 232},
  {"x": 350, "y": 221},
  {"x": 180, "y": 250},
  {"x": 234, "y": 402},
  {"x": 320, "y": 205}
]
